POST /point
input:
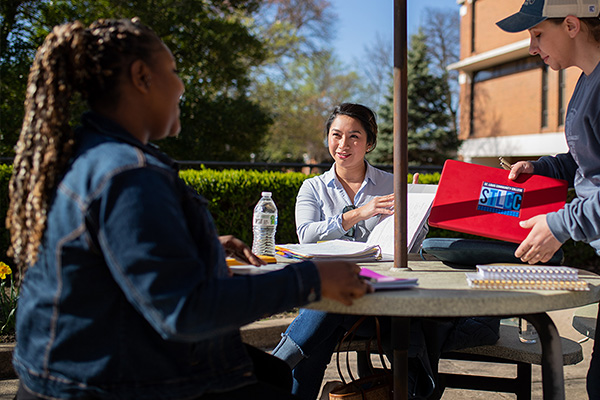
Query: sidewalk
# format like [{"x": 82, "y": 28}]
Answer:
[{"x": 574, "y": 374}]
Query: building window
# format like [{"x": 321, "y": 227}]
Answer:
[
  {"x": 545, "y": 96},
  {"x": 508, "y": 68},
  {"x": 561, "y": 97}
]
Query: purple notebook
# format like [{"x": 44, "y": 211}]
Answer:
[{"x": 381, "y": 282}]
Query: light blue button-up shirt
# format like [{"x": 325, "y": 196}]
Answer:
[{"x": 322, "y": 198}]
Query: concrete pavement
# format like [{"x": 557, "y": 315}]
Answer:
[{"x": 575, "y": 375}]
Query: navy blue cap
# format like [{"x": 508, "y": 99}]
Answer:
[{"x": 530, "y": 14}]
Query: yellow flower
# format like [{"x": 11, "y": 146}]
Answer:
[{"x": 4, "y": 270}]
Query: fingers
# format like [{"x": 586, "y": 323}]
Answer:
[
  {"x": 415, "y": 178},
  {"x": 383, "y": 204},
  {"x": 378, "y": 205},
  {"x": 251, "y": 258},
  {"x": 534, "y": 254},
  {"x": 340, "y": 281},
  {"x": 540, "y": 244},
  {"x": 239, "y": 250},
  {"x": 519, "y": 168}
]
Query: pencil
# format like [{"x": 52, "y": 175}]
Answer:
[{"x": 504, "y": 164}]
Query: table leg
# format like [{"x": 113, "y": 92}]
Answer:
[
  {"x": 553, "y": 382},
  {"x": 400, "y": 342}
]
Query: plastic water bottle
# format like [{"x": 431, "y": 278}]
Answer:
[
  {"x": 527, "y": 332},
  {"x": 264, "y": 225}
]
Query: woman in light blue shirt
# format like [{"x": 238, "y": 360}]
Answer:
[
  {"x": 322, "y": 200},
  {"x": 345, "y": 202}
]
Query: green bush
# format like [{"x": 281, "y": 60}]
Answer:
[
  {"x": 5, "y": 172},
  {"x": 232, "y": 195}
]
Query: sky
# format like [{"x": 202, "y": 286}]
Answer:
[{"x": 360, "y": 21}]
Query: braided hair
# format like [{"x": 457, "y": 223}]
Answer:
[{"x": 73, "y": 59}]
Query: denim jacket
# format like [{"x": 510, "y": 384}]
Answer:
[{"x": 130, "y": 296}]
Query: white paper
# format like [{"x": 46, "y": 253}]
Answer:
[
  {"x": 334, "y": 249},
  {"x": 420, "y": 199},
  {"x": 253, "y": 270}
]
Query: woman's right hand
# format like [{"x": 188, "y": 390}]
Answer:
[
  {"x": 521, "y": 167},
  {"x": 378, "y": 205},
  {"x": 340, "y": 281}
]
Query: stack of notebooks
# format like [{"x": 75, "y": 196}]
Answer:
[
  {"x": 331, "y": 250},
  {"x": 526, "y": 277},
  {"x": 383, "y": 282}
]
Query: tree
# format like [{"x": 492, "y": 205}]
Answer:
[
  {"x": 378, "y": 71},
  {"x": 442, "y": 32},
  {"x": 301, "y": 82},
  {"x": 301, "y": 103},
  {"x": 431, "y": 138},
  {"x": 16, "y": 53},
  {"x": 214, "y": 47},
  {"x": 294, "y": 28}
]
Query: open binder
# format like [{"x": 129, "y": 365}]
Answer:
[{"x": 419, "y": 202}]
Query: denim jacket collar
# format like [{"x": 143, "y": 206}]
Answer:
[{"x": 108, "y": 127}]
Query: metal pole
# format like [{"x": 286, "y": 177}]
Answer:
[
  {"x": 400, "y": 134},
  {"x": 400, "y": 343},
  {"x": 553, "y": 379}
]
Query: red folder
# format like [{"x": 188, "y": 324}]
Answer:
[{"x": 482, "y": 200}]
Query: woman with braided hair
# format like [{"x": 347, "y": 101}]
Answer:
[{"x": 126, "y": 292}]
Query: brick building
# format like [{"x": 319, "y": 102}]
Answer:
[{"x": 511, "y": 103}]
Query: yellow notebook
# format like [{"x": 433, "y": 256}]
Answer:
[{"x": 268, "y": 259}]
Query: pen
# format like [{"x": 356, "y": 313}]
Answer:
[
  {"x": 504, "y": 164},
  {"x": 367, "y": 279}
]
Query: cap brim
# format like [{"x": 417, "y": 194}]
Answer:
[{"x": 519, "y": 22}]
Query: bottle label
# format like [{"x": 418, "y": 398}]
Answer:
[{"x": 265, "y": 219}]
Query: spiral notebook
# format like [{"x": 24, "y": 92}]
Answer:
[
  {"x": 482, "y": 200},
  {"x": 526, "y": 278}
]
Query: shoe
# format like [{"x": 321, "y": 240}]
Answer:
[{"x": 328, "y": 387}]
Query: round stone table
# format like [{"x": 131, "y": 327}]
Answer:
[{"x": 443, "y": 292}]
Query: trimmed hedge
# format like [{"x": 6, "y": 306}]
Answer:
[{"x": 232, "y": 195}]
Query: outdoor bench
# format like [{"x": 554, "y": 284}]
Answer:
[
  {"x": 508, "y": 350},
  {"x": 584, "y": 320}
]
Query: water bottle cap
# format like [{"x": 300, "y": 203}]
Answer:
[{"x": 266, "y": 194}]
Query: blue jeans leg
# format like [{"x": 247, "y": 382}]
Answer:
[{"x": 307, "y": 347}]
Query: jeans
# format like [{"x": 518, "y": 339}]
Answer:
[
  {"x": 309, "y": 342},
  {"x": 273, "y": 377},
  {"x": 311, "y": 339},
  {"x": 593, "y": 375}
]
